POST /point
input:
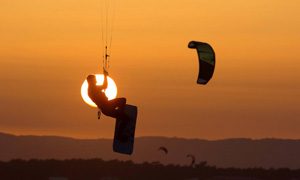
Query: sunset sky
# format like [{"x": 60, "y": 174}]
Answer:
[{"x": 47, "y": 48}]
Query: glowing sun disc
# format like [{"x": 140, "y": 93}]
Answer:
[{"x": 111, "y": 91}]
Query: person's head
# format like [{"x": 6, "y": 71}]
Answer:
[{"x": 91, "y": 79}]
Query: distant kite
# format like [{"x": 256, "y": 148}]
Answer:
[
  {"x": 193, "y": 159},
  {"x": 207, "y": 61},
  {"x": 164, "y": 149}
]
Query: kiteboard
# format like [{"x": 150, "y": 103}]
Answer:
[{"x": 125, "y": 130}]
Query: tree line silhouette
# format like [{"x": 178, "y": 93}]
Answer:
[{"x": 95, "y": 169}]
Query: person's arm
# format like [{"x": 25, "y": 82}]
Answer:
[
  {"x": 105, "y": 83},
  {"x": 104, "y": 86}
]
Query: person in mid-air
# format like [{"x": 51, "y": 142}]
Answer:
[{"x": 113, "y": 108}]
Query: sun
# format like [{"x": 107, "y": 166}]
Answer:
[{"x": 111, "y": 91}]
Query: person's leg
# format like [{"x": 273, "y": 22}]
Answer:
[
  {"x": 114, "y": 107},
  {"x": 117, "y": 104}
]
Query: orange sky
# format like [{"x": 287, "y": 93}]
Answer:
[{"x": 48, "y": 47}]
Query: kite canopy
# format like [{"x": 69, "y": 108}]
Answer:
[
  {"x": 193, "y": 159},
  {"x": 164, "y": 149},
  {"x": 206, "y": 56}
]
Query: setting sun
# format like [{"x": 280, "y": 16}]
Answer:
[{"x": 111, "y": 91}]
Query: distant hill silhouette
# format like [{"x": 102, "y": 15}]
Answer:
[{"x": 241, "y": 153}]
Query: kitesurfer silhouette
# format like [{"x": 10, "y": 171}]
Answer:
[{"x": 113, "y": 108}]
